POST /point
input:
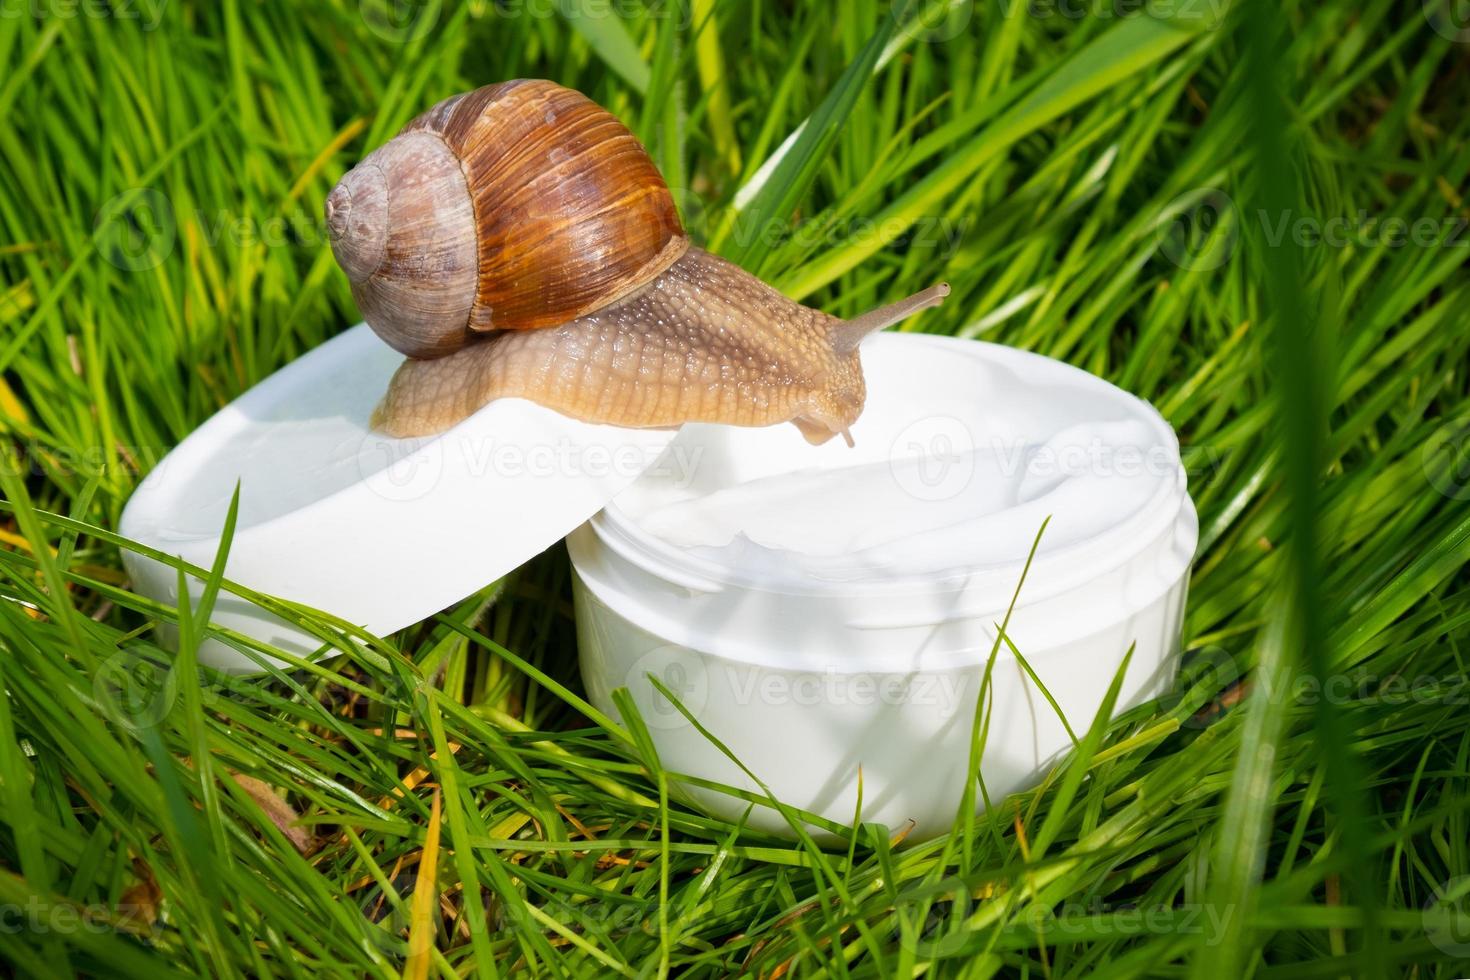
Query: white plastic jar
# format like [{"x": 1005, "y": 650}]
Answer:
[
  {"x": 819, "y": 610},
  {"x": 830, "y": 612}
]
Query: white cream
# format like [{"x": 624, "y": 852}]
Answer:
[{"x": 924, "y": 494}]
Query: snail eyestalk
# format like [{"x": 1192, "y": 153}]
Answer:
[{"x": 849, "y": 333}]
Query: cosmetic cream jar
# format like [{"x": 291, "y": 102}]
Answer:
[
  {"x": 819, "y": 610},
  {"x": 827, "y": 615}
]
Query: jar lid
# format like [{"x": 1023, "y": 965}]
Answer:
[{"x": 380, "y": 532}]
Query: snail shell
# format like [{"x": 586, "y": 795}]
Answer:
[
  {"x": 517, "y": 241},
  {"x": 516, "y": 206}
]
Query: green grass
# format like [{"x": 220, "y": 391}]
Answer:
[{"x": 1107, "y": 190}]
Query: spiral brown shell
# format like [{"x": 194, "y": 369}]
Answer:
[
  {"x": 517, "y": 206},
  {"x": 570, "y": 212}
]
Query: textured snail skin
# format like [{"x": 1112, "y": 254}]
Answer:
[{"x": 705, "y": 342}]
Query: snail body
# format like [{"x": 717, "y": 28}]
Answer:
[{"x": 517, "y": 241}]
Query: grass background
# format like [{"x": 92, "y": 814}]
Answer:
[{"x": 1196, "y": 200}]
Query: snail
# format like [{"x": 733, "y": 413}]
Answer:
[{"x": 517, "y": 241}]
